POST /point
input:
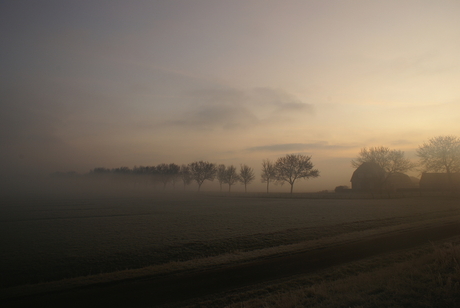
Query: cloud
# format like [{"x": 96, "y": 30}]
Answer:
[
  {"x": 401, "y": 142},
  {"x": 229, "y": 108},
  {"x": 290, "y": 147},
  {"x": 212, "y": 117}
]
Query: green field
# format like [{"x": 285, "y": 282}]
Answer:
[{"x": 46, "y": 238}]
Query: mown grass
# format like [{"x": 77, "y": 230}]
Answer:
[{"x": 428, "y": 277}]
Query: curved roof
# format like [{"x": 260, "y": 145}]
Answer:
[{"x": 368, "y": 170}]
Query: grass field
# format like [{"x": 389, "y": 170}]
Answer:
[
  {"x": 47, "y": 238},
  {"x": 428, "y": 276}
]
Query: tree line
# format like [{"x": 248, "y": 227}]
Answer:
[
  {"x": 439, "y": 154},
  {"x": 287, "y": 169}
]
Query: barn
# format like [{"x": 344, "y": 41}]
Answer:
[
  {"x": 368, "y": 176},
  {"x": 439, "y": 181},
  {"x": 400, "y": 180}
]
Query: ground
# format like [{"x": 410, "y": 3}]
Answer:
[{"x": 193, "y": 282}]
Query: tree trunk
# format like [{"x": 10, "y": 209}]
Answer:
[
  {"x": 268, "y": 182},
  {"x": 292, "y": 187},
  {"x": 449, "y": 179}
]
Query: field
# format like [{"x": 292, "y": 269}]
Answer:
[{"x": 46, "y": 238}]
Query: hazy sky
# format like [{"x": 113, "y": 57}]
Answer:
[{"x": 89, "y": 84}]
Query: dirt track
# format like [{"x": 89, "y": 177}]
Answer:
[{"x": 177, "y": 289}]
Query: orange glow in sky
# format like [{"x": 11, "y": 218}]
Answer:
[{"x": 110, "y": 84}]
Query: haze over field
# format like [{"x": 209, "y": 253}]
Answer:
[{"x": 88, "y": 84}]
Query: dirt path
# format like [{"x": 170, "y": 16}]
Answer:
[{"x": 175, "y": 289}]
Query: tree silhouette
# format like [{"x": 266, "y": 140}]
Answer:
[
  {"x": 174, "y": 174},
  {"x": 268, "y": 172},
  {"x": 201, "y": 171},
  {"x": 231, "y": 176},
  {"x": 246, "y": 175},
  {"x": 185, "y": 174},
  {"x": 441, "y": 154},
  {"x": 392, "y": 161},
  {"x": 294, "y": 166},
  {"x": 221, "y": 175},
  {"x": 163, "y": 174},
  {"x": 100, "y": 170}
]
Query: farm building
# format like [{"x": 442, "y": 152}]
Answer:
[
  {"x": 368, "y": 176},
  {"x": 400, "y": 180},
  {"x": 439, "y": 181}
]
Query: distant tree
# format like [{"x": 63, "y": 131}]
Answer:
[
  {"x": 441, "y": 154},
  {"x": 140, "y": 170},
  {"x": 168, "y": 173},
  {"x": 153, "y": 174},
  {"x": 174, "y": 174},
  {"x": 163, "y": 174},
  {"x": 141, "y": 174},
  {"x": 121, "y": 170},
  {"x": 185, "y": 175},
  {"x": 268, "y": 172},
  {"x": 246, "y": 175},
  {"x": 391, "y": 161},
  {"x": 221, "y": 175},
  {"x": 342, "y": 188},
  {"x": 100, "y": 170},
  {"x": 231, "y": 177},
  {"x": 202, "y": 171},
  {"x": 294, "y": 166}
]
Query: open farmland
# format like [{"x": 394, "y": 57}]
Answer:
[{"x": 49, "y": 238}]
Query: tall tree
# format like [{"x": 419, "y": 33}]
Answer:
[
  {"x": 231, "y": 177},
  {"x": 441, "y": 154},
  {"x": 294, "y": 166},
  {"x": 221, "y": 175},
  {"x": 246, "y": 175},
  {"x": 392, "y": 161},
  {"x": 141, "y": 174},
  {"x": 268, "y": 172},
  {"x": 185, "y": 174},
  {"x": 163, "y": 174},
  {"x": 174, "y": 174},
  {"x": 202, "y": 171}
]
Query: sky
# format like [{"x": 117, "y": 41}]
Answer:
[{"x": 88, "y": 84}]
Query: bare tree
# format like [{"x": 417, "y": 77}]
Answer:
[
  {"x": 268, "y": 172},
  {"x": 202, "y": 171},
  {"x": 221, "y": 175},
  {"x": 174, "y": 174},
  {"x": 153, "y": 174},
  {"x": 246, "y": 175},
  {"x": 231, "y": 176},
  {"x": 441, "y": 153},
  {"x": 185, "y": 175},
  {"x": 294, "y": 166},
  {"x": 163, "y": 174},
  {"x": 141, "y": 175},
  {"x": 392, "y": 161}
]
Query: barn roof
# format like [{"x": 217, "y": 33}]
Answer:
[
  {"x": 438, "y": 180},
  {"x": 368, "y": 170}
]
